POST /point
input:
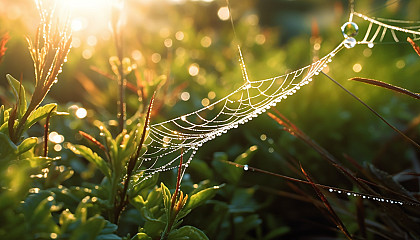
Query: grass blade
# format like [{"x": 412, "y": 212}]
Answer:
[
  {"x": 387, "y": 86},
  {"x": 374, "y": 112},
  {"x": 327, "y": 205},
  {"x": 414, "y": 45},
  {"x": 93, "y": 140}
]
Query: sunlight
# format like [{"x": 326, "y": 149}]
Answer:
[
  {"x": 92, "y": 15},
  {"x": 76, "y": 5}
]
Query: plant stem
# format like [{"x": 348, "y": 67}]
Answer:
[
  {"x": 117, "y": 28},
  {"x": 121, "y": 80},
  {"x": 172, "y": 212}
]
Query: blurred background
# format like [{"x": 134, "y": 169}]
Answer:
[{"x": 188, "y": 48}]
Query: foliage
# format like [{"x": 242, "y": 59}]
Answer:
[{"x": 92, "y": 185}]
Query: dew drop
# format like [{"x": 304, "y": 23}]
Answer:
[
  {"x": 349, "y": 29},
  {"x": 350, "y": 42},
  {"x": 246, "y": 167},
  {"x": 371, "y": 45},
  {"x": 331, "y": 190}
]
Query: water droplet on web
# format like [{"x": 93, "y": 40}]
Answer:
[
  {"x": 350, "y": 42},
  {"x": 371, "y": 45},
  {"x": 246, "y": 167},
  {"x": 349, "y": 29}
]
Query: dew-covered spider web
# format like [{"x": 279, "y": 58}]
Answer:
[{"x": 187, "y": 133}]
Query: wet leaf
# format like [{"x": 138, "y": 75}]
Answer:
[
  {"x": 27, "y": 145},
  {"x": 39, "y": 114},
  {"x": 187, "y": 233},
  {"x": 20, "y": 95},
  {"x": 92, "y": 157},
  {"x": 201, "y": 197}
]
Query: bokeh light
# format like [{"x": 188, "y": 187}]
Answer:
[
  {"x": 206, "y": 41},
  {"x": 55, "y": 137},
  {"x": 223, "y": 13},
  {"x": 81, "y": 113},
  {"x": 193, "y": 69},
  {"x": 156, "y": 57},
  {"x": 357, "y": 67},
  {"x": 205, "y": 102},
  {"x": 185, "y": 96}
]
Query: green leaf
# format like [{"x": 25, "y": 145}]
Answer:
[
  {"x": 36, "y": 209},
  {"x": 187, "y": 233},
  {"x": 141, "y": 236},
  {"x": 199, "y": 198},
  {"x": 108, "y": 237},
  {"x": 138, "y": 202},
  {"x": 200, "y": 168},
  {"x": 92, "y": 157},
  {"x": 243, "y": 201},
  {"x": 7, "y": 148},
  {"x": 107, "y": 233},
  {"x": 2, "y": 119},
  {"x": 166, "y": 197},
  {"x": 40, "y": 162},
  {"x": 27, "y": 145},
  {"x": 144, "y": 184},
  {"x": 245, "y": 157},
  {"x": 39, "y": 114},
  {"x": 276, "y": 233},
  {"x": 19, "y": 92},
  {"x": 150, "y": 216},
  {"x": 66, "y": 218},
  {"x": 89, "y": 230},
  {"x": 4, "y": 125},
  {"x": 109, "y": 228}
]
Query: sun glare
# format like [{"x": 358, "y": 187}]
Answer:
[
  {"x": 84, "y": 4},
  {"x": 87, "y": 15}
]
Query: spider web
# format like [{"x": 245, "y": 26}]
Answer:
[{"x": 184, "y": 135}]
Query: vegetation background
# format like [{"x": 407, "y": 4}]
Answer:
[{"x": 188, "y": 49}]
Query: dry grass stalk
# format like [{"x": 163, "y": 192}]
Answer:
[
  {"x": 49, "y": 51},
  {"x": 3, "y": 48}
]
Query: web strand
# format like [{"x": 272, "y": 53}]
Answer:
[{"x": 187, "y": 133}]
